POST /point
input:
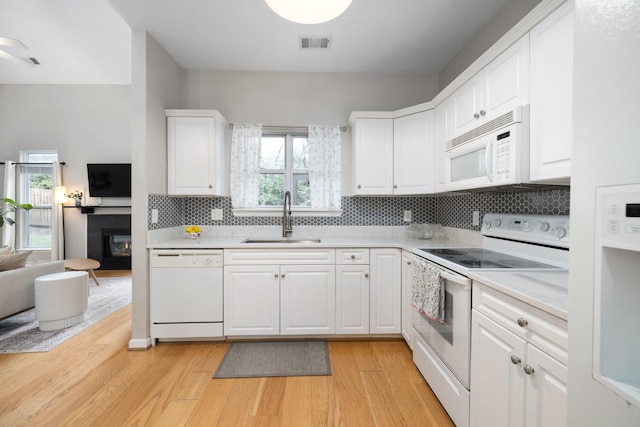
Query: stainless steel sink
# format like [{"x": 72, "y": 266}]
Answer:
[{"x": 282, "y": 240}]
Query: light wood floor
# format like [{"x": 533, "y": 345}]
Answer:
[{"x": 93, "y": 380}]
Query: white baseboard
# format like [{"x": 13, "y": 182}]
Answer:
[{"x": 139, "y": 343}]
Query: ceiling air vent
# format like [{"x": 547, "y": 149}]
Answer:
[{"x": 314, "y": 42}]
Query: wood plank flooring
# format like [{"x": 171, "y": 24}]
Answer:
[{"x": 93, "y": 380}]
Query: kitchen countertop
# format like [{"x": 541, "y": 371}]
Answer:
[{"x": 546, "y": 290}]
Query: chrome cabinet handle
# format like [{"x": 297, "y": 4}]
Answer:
[
  {"x": 210, "y": 186},
  {"x": 353, "y": 257},
  {"x": 395, "y": 186},
  {"x": 522, "y": 322},
  {"x": 408, "y": 262},
  {"x": 359, "y": 186},
  {"x": 515, "y": 359},
  {"x": 482, "y": 113},
  {"x": 476, "y": 116},
  {"x": 366, "y": 275},
  {"x": 528, "y": 370},
  {"x": 282, "y": 275},
  {"x": 276, "y": 275}
]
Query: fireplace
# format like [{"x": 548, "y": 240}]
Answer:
[{"x": 109, "y": 241}]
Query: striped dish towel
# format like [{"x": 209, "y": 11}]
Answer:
[{"x": 427, "y": 290}]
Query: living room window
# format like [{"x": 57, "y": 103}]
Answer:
[{"x": 35, "y": 186}]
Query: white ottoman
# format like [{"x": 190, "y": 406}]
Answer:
[{"x": 61, "y": 299}]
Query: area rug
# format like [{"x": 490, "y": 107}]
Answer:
[
  {"x": 20, "y": 333},
  {"x": 275, "y": 359}
]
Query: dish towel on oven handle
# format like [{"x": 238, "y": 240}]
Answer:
[{"x": 427, "y": 290}]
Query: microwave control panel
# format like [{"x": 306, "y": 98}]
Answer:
[{"x": 503, "y": 157}]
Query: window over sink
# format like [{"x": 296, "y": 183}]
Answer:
[{"x": 284, "y": 166}]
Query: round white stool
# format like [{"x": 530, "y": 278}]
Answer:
[{"x": 61, "y": 299}]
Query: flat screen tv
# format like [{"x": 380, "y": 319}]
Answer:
[{"x": 109, "y": 179}]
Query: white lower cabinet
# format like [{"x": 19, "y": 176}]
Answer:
[
  {"x": 352, "y": 291},
  {"x": 407, "y": 278},
  {"x": 385, "y": 291},
  {"x": 279, "y": 292},
  {"x": 252, "y": 300},
  {"x": 307, "y": 299},
  {"x": 513, "y": 382}
]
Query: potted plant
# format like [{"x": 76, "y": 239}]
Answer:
[
  {"x": 75, "y": 195},
  {"x": 12, "y": 207}
]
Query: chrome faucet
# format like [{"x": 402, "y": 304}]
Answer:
[{"x": 287, "y": 228}]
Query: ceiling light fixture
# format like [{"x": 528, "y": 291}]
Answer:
[
  {"x": 309, "y": 11},
  {"x": 5, "y": 41}
]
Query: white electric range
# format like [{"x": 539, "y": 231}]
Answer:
[{"x": 513, "y": 243}]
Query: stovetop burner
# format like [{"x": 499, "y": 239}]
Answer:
[{"x": 479, "y": 258}]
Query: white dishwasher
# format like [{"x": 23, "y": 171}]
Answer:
[{"x": 186, "y": 294}]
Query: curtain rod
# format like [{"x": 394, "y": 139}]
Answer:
[
  {"x": 36, "y": 163},
  {"x": 296, "y": 128}
]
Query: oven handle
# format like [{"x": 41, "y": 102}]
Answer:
[{"x": 458, "y": 280}]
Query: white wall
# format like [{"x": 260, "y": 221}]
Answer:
[
  {"x": 606, "y": 152},
  {"x": 157, "y": 84},
  {"x": 85, "y": 123},
  {"x": 512, "y": 12}
]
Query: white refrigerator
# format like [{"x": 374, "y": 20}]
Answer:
[{"x": 606, "y": 154}]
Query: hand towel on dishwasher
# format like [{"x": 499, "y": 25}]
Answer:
[{"x": 427, "y": 290}]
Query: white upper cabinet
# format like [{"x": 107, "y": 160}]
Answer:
[
  {"x": 195, "y": 153},
  {"x": 551, "y": 96},
  {"x": 393, "y": 156},
  {"x": 413, "y": 171},
  {"x": 496, "y": 89},
  {"x": 372, "y": 154}
]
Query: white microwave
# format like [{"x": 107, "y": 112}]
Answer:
[{"x": 495, "y": 154}]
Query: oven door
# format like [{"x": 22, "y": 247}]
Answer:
[{"x": 451, "y": 340}]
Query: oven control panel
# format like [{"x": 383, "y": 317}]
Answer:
[{"x": 542, "y": 229}]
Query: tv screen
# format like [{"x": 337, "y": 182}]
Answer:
[{"x": 109, "y": 179}]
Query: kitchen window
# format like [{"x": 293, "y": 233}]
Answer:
[
  {"x": 284, "y": 166},
  {"x": 266, "y": 164},
  {"x": 35, "y": 186}
]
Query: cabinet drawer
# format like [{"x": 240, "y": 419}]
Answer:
[
  {"x": 545, "y": 331},
  {"x": 279, "y": 256},
  {"x": 352, "y": 256}
]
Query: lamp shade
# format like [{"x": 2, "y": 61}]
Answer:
[
  {"x": 309, "y": 11},
  {"x": 61, "y": 190}
]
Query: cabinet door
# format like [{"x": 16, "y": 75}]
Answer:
[
  {"x": 307, "y": 299},
  {"x": 497, "y": 383},
  {"x": 551, "y": 142},
  {"x": 506, "y": 81},
  {"x": 252, "y": 300},
  {"x": 546, "y": 390},
  {"x": 352, "y": 299},
  {"x": 373, "y": 157},
  {"x": 407, "y": 279},
  {"x": 413, "y": 169},
  {"x": 385, "y": 316},
  {"x": 466, "y": 104}
]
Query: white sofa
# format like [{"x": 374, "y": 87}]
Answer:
[{"x": 16, "y": 286}]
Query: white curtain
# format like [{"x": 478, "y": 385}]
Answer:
[
  {"x": 245, "y": 165},
  {"x": 9, "y": 191},
  {"x": 57, "y": 225},
  {"x": 325, "y": 171}
]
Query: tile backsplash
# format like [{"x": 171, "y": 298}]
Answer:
[{"x": 451, "y": 210}]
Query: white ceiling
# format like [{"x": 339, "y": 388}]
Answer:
[{"x": 88, "y": 41}]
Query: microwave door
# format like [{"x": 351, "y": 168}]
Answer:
[{"x": 470, "y": 165}]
